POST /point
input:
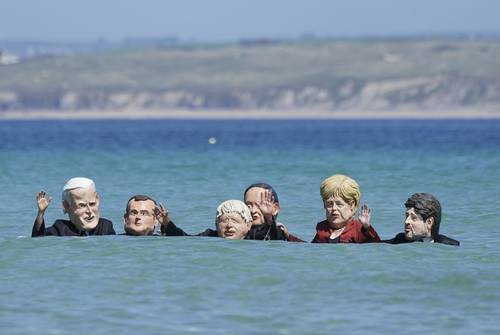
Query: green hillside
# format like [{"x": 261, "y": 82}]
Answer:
[{"x": 260, "y": 72}]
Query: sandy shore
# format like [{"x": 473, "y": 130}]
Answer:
[{"x": 462, "y": 113}]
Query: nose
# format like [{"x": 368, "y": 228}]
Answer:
[
  {"x": 87, "y": 208},
  {"x": 334, "y": 208}
]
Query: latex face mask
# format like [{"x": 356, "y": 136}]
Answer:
[
  {"x": 415, "y": 226},
  {"x": 253, "y": 197},
  {"x": 140, "y": 218},
  {"x": 232, "y": 226},
  {"x": 338, "y": 211},
  {"x": 83, "y": 209}
]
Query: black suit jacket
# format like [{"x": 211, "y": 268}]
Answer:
[
  {"x": 401, "y": 238},
  {"x": 67, "y": 228}
]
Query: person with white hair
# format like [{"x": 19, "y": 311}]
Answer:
[
  {"x": 233, "y": 221},
  {"x": 81, "y": 202}
]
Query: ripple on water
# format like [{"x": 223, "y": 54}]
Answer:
[{"x": 191, "y": 285}]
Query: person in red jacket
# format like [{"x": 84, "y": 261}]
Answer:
[{"x": 341, "y": 196}]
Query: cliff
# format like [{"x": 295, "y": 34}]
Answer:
[{"x": 326, "y": 75}]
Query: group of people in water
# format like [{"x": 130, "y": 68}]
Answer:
[{"x": 253, "y": 219}]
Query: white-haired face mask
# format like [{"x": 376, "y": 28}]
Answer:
[
  {"x": 83, "y": 209},
  {"x": 232, "y": 226}
]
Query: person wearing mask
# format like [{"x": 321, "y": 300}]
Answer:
[
  {"x": 341, "y": 198},
  {"x": 264, "y": 205},
  {"x": 422, "y": 221},
  {"x": 80, "y": 201},
  {"x": 232, "y": 221}
]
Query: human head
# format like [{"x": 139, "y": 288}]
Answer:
[
  {"x": 139, "y": 217},
  {"x": 233, "y": 220},
  {"x": 423, "y": 216},
  {"x": 341, "y": 196},
  {"x": 81, "y": 202},
  {"x": 253, "y": 195}
]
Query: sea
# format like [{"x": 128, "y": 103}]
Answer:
[{"x": 200, "y": 285}]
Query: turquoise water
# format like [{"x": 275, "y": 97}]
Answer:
[{"x": 191, "y": 285}]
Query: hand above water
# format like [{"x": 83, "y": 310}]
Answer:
[
  {"x": 43, "y": 201},
  {"x": 161, "y": 214},
  {"x": 284, "y": 229},
  {"x": 365, "y": 216},
  {"x": 265, "y": 205}
]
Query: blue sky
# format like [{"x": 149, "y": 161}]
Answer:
[{"x": 223, "y": 20}]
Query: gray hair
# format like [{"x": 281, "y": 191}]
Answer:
[
  {"x": 74, "y": 183},
  {"x": 234, "y": 207}
]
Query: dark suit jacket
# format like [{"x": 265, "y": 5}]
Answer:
[
  {"x": 67, "y": 228},
  {"x": 401, "y": 238}
]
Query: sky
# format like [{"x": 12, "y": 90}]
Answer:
[{"x": 230, "y": 20}]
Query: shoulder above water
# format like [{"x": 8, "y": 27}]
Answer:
[{"x": 401, "y": 238}]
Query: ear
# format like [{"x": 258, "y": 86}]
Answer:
[
  {"x": 65, "y": 206},
  {"x": 276, "y": 208},
  {"x": 97, "y": 199},
  {"x": 352, "y": 204},
  {"x": 429, "y": 223}
]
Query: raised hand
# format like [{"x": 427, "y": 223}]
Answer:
[
  {"x": 43, "y": 201},
  {"x": 161, "y": 214},
  {"x": 365, "y": 216},
  {"x": 265, "y": 205}
]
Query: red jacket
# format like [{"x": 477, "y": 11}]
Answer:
[{"x": 353, "y": 233}]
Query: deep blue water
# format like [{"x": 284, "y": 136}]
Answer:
[
  {"x": 203, "y": 285},
  {"x": 178, "y": 135}
]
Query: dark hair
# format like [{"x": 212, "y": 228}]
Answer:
[
  {"x": 426, "y": 205},
  {"x": 266, "y": 187},
  {"x": 139, "y": 197}
]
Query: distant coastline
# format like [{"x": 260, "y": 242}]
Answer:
[
  {"x": 458, "y": 113},
  {"x": 378, "y": 78}
]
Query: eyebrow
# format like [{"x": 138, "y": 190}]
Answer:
[{"x": 84, "y": 202}]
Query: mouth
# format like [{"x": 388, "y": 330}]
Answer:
[
  {"x": 255, "y": 217},
  {"x": 229, "y": 233},
  {"x": 89, "y": 219}
]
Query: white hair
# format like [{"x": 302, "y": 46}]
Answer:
[
  {"x": 74, "y": 183},
  {"x": 234, "y": 207}
]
